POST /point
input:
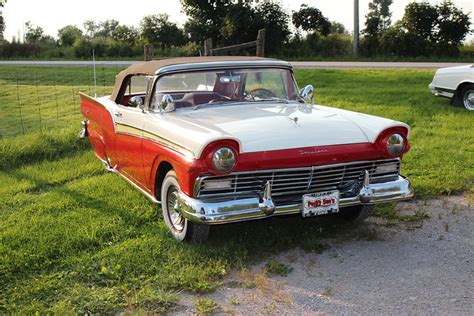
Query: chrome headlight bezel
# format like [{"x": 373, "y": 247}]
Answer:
[
  {"x": 396, "y": 145},
  {"x": 224, "y": 159}
]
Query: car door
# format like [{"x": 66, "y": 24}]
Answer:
[{"x": 129, "y": 123}]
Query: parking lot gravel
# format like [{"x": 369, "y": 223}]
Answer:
[{"x": 424, "y": 268}]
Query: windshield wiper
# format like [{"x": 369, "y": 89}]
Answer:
[
  {"x": 197, "y": 106},
  {"x": 274, "y": 99}
]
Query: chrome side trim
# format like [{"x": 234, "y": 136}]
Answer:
[
  {"x": 114, "y": 170},
  {"x": 121, "y": 128},
  {"x": 125, "y": 129},
  {"x": 235, "y": 210}
]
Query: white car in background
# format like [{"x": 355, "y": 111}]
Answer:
[{"x": 456, "y": 83}]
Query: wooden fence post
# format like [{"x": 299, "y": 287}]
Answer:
[
  {"x": 148, "y": 52},
  {"x": 208, "y": 47},
  {"x": 261, "y": 43}
]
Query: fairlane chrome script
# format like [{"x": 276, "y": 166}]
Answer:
[{"x": 313, "y": 152}]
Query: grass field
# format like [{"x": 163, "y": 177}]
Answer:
[
  {"x": 34, "y": 99},
  {"x": 75, "y": 239}
]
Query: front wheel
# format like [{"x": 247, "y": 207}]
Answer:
[
  {"x": 180, "y": 227},
  {"x": 466, "y": 97},
  {"x": 357, "y": 214}
]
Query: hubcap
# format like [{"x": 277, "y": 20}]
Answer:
[
  {"x": 175, "y": 217},
  {"x": 469, "y": 100}
]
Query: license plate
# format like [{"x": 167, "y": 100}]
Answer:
[{"x": 320, "y": 203}]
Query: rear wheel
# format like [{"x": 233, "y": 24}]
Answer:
[
  {"x": 180, "y": 227},
  {"x": 357, "y": 214}
]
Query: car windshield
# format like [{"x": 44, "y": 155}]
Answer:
[{"x": 198, "y": 88}]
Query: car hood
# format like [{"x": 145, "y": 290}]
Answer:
[
  {"x": 265, "y": 127},
  {"x": 456, "y": 69}
]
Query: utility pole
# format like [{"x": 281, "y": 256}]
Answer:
[{"x": 355, "y": 40}]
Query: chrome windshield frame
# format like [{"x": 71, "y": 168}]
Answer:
[{"x": 201, "y": 67}]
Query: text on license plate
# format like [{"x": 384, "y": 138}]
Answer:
[{"x": 320, "y": 203}]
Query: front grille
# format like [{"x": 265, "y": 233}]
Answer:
[{"x": 297, "y": 181}]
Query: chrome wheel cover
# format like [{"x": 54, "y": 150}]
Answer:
[
  {"x": 468, "y": 100},
  {"x": 175, "y": 217}
]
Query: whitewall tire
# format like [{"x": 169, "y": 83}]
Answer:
[{"x": 179, "y": 227}]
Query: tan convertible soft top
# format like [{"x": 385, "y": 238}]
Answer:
[{"x": 150, "y": 68}]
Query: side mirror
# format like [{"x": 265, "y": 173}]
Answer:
[
  {"x": 167, "y": 104},
  {"x": 307, "y": 94},
  {"x": 137, "y": 102}
]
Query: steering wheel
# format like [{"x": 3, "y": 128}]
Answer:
[
  {"x": 265, "y": 92},
  {"x": 221, "y": 98}
]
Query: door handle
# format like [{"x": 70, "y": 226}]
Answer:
[{"x": 118, "y": 114}]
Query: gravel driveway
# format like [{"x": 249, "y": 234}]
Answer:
[{"x": 424, "y": 267}]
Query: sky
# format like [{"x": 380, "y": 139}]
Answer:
[{"x": 54, "y": 14}]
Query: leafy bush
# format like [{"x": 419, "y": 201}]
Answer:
[
  {"x": 467, "y": 51},
  {"x": 317, "y": 45},
  {"x": 190, "y": 49}
]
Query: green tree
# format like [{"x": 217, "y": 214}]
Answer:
[
  {"x": 33, "y": 33},
  {"x": 420, "y": 19},
  {"x": 91, "y": 27},
  {"x": 2, "y": 21},
  {"x": 275, "y": 20},
  {"x": 158, "y": 29},
  {"x": 453, "y": 25},
  {"x": 240, "y": 24},
  {"x": 337, "y": 28},
  {"x": 230, "y": 22},
  {"x": 426, "y": 30},
  {"x": 125, "y": 34},
  {"x": 311, "y": 19},
  {"x": 377, "y": 21},
  {"x": 106, "y": 28},
  {"x": 206, "y": 18},
  {"x": 69, "y": 34}
]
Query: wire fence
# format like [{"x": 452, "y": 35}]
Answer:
[{"x": 40, "y": 98}]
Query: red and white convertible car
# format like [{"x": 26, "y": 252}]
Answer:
[{"x": 225, "y": 139}]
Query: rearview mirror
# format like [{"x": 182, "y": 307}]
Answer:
[
  {"x": 229, "y": 79},
  {"x": 307, "y": 94}
]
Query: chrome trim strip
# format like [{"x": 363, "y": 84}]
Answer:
[
  {"x": 224, "y": 65},
  {"x": 111, "y": 169},
  {"x": 236, "y": 210},
  {"x": 446, "y": 90}
]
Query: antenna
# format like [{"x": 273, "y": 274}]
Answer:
[{"x": 95, "y": 75}]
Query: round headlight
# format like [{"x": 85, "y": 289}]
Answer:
[
  {"x": 223, "y": 159},
  {"x": 395, "y": 145}
]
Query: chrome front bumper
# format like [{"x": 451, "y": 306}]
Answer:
[{"x": 262, "y": 207}]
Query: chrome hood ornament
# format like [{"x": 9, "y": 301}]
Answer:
[{"x": 294, "y": 120}]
